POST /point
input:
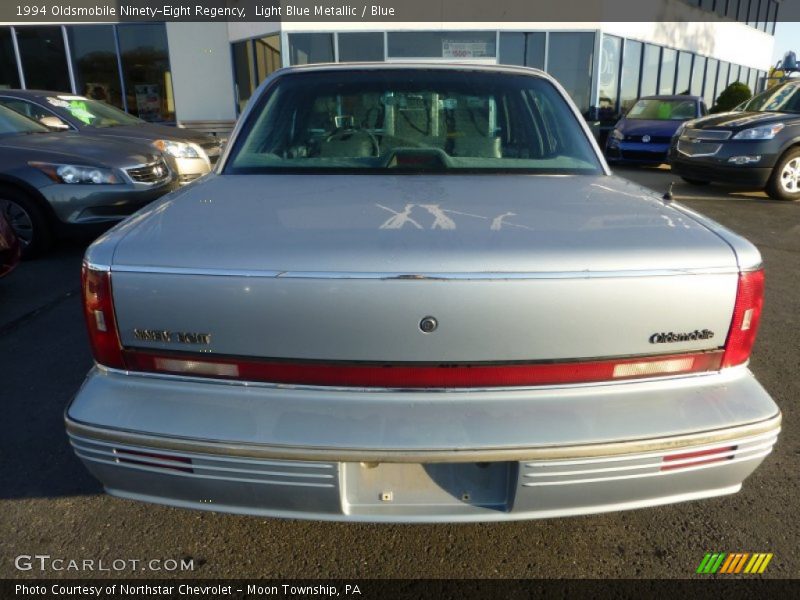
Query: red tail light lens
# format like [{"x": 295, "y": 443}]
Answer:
[
  {"x": 98, "y": 308},
  {"x": 746, "y": 317},
  {"x": 422, "y": 376}
]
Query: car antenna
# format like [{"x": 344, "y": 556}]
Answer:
[{"x": 667, "y": 197}]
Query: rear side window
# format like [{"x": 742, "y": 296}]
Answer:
[{"x": 412, "y": 120}]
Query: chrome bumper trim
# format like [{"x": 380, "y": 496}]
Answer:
[{"x": 769, "y": 426}]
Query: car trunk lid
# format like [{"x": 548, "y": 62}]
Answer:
[{"x": 337, "y": 269}]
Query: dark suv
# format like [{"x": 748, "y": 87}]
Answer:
[{"x": 757, "y": 146}]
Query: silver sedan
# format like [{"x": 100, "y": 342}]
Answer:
[{"x": 416, "y": 293}]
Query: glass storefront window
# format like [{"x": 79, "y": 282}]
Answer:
[
  {"x": 711, "y": 82},
  {"x": 94, "y": 62},
  {"x": 305, "y": 48},
  {"x": 733, "y": 76},
  {"x": 752, "y": 14},
  {"x": 669, "y": 61},
  {"x": 361, "y": 46},
  {"x": 610, "y": 55},
  {"x": 744, "y": 76},
  {"x": 762, "y": 15},
  {"x": 243, "y": 71},
  {"x": 744, "y": 7},
  {"x": 442, "y": 44},
  {"x": 44, "y": 59},
  {"x": 523, "y": 49},
  {"x": 535, "y": 49},
  {"x": 267, "y": 56},
  {"x": 9, "y": 76},
  {"x": 752, "y": 80},
  {"x": 570, "y": 60},
  {"x": 631, "y": 65},
  {"x": 698, "y": 73},
  {"x": 683, "y": 76},
  {"x": 253, "y": 61},
  {"x": 722, "y": 77},
  {"x": 512, "y": 49},
  {"x": 145, "y": 67},
  {"x": 652, "y": 56},
  {"x": 772, "y": 17}
]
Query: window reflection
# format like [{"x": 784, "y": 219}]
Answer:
[
  {"x": 145, "y": 66},
  {"x": 305, "y": 48},
  {"x": 682, "y": 79},
  {"x": 611, "y": 53},
  {"x": 442, "y": 44},
  {"x": 698, "y": 73},
  {"x": 523, "y": 49},
  {"x": 9, "y": 76},
  {"x": 94, "y": 62},
  {"x": 652, "y": 56},
  {"x": 570, "y": 59},
  {"x": 666, "y": 83},
  {"x": 630, "y": 74},
  {"x": 361, "y": 46},
  {"x": 44, "y": 59}
]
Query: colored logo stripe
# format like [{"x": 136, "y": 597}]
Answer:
[{"x": 720, "y": 562}]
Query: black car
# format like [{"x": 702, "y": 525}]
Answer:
[
  {"x": 191, "y": 154},
  {"x": 757, "y": 146}
]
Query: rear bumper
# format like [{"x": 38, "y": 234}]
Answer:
[{"x": 458, "y": 456}]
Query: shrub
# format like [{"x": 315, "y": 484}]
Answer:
[{"x": 731, "y": 97}]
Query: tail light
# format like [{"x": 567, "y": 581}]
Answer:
[
  {"x": 98, "y": 308},
  {"x": 700, "y": 457},
  {"x": 746, "y": 317},
  {"x": 421, "y": 376}
]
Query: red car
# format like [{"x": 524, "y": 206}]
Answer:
[{"x": 10, "y": 248}]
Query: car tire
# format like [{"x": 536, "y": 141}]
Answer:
[
  {"x": 784, "y": 183},
  {"x": 691, "y": 181},
  {"x": 27, "y": 220}
]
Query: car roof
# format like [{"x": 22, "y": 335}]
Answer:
[
  {"x": 421, "y": 65},
  {"x": 671, "y": 97},
  {"x": 34, "y": 93}
]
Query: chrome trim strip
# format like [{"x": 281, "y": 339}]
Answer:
[
  {"x": 755, "y": 442},
  {"x": 89, "y": 432},
  {"x": 710, "y": 135},
  {"x": 443, "y": 276},
  {"x": 658, "y": 473},
  {"x": 722, "y": 376},
  {"x": 227, "y": 478},
  {"x": 96, "y": 266}
]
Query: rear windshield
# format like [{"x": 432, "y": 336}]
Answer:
[
  {"x": 780, "y": 98},
  {"x": 412, "y": 120},
  {"x": 653, "y": 109}
]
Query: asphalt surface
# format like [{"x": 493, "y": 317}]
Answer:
[{"x": 50, "y": 505}]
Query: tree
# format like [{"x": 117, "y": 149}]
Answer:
[{"x": 731, "y": 97}]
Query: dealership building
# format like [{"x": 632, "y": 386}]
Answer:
[{"x": 202, "y": 74}]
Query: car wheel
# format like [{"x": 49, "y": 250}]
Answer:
[
  {"x": 784, "y": 183},
  {"x": 695, "y": 181},
  {"x": 27, "y": 221}
]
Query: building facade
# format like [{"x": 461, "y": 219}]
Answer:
[{"x": 206, "y": 72}]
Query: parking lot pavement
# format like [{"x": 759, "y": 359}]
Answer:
[{"x": 50, "y": 505}]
